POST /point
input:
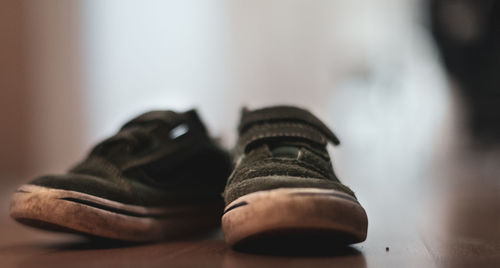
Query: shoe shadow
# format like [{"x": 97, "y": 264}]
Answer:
[
  {"x": 302, "y": 253},
  {"x": 298, "y": 243},
  {"x": 300, "y": 249},
  {"x": 96, "y": 243},
  {"x": 91, "y": 244},
  {"x": 308, "y": 250}
]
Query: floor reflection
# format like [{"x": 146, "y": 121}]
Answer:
[
  {"x": 463, "y": 224},
  {"x": 172, "y": 254}
]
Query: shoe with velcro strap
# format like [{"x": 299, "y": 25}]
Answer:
[
  {"x": 283, "y": 186},
  {"x": 160, "y": 176}
]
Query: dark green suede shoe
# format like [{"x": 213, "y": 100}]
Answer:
[
  {"x": 284, "y": 186},
  {"x": 161, "y": 175}
]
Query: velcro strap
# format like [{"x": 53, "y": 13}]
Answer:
[
  {"x": 281, "y": 130},
  {"x": 283, "y": 121},
  {"x": 153, "y": 116}
]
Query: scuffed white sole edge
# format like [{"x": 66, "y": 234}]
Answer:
[
  {"x": 83, "y": 213},
  {"x": 294, "y": 208}
]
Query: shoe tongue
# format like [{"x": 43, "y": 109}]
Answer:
[{"x": 284, "y": 151}]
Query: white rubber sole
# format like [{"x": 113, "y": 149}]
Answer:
[
  {"x": 296, "y": 210},
  {"x": 70, "y": 211}
]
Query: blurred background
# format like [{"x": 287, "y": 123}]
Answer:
[
  {"x": 410, "y": 87},
  {"x": 73, "y": 71}
]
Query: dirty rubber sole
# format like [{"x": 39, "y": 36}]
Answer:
[
  {"x": 75, "y": 212},
  {"x": 294, "y": 215}
]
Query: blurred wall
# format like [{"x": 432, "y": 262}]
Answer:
[
  {"x": 14, "y": 149},
  {"x": 366, "y": 67},
  {"x": 55, "y": 83},
  {"x": 41, "y": 95}
]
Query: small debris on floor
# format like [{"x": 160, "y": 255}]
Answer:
[{"x": 387, "y": 249}]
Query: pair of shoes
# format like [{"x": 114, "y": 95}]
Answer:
[{"x": 162, "y": 176}]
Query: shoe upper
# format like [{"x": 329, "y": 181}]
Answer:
[
  {"x": 158, "y": 158},
  {"x": 282, "y": 147}
]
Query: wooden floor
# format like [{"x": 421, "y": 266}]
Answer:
[{"x": 440, "y": 209}]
